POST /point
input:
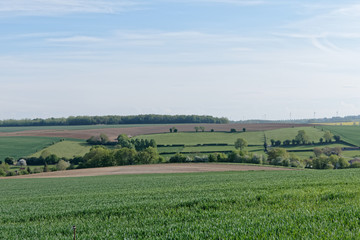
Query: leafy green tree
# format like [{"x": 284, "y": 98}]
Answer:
[
  {"x": 241, "y": 143},
  {"x": 301, "y": 137},
  {"x": 62, "y": 165},
  {"x": 9, "y": 160},
  {"x": 147, "y": 156},
  {"x": 202, "y": 129},
  {"x": 196, "y": 129},
  {"x": 328, "y": 136},
  {"x": 124, "y": 141},
  {"x": 276, "y": 153},
  {"x": 99, "y": 156},
  {"x": 125, "y": 156}
]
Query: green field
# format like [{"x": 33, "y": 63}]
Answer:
[
  {"x": 77, "y": 127},
  {"x": 18, "y": 147},
  {"x": 233, "y": 205},
  {"x": 67, "y": 149},
  {"x": 350, "y": 134},
  {"x": 290, "y": 133},
  {"x": 253, "y": 138}
]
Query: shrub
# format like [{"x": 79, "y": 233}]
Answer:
[
  {"x": 2, "y": 172},
  {"x": 62, "y": 165},
  {"x": 37, "y": 170},
  {"x": 11, "y": 174},
  {"x": 355, "y": 165},
  {"x": 177, "y": 158}
]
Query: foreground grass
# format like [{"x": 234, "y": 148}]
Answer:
[{"x": 242, "y": 205}]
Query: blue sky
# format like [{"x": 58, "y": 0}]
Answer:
[{"x": 241, "y": 59}]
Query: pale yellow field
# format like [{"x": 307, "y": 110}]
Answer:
[{"x": 340, "y": 123}]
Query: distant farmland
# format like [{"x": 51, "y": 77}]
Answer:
[{"x": 113, "y": 132}]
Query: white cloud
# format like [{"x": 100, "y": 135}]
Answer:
[{"x": 76, "y": 39}]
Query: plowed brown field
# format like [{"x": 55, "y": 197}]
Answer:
[
  {"x": 153, "y": 168},
  {"x": 134, "y": 131}
]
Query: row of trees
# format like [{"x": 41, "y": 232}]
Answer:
[
  {"x": 113, "y": 119},
  {"x": 302, "y": 139}
]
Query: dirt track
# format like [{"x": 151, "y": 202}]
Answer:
[
  {"x": 112, "y": 133},
  {"x": 148, "y": 169}
]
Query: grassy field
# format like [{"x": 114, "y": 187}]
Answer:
[
  {"x": 234, "y": 205},
  {"x": 78, "y": 127},
  {"x": 289, "y": 133},
  {"x": 350, "y": 134},
  {"x": 192, "y": 138},
  {"x": 18, "y": 147},
  {"x": 253, "y": 138},
  {"x": 67, "y": 149}
]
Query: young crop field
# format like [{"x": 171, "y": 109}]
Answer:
[
  {"x": 290, "y": 133},
  {"x": 67, "y": 149},
  {"x": 349, "y": 134},
  {"x": 18, "y": 147},
  {"x": 253, "y": 138},
  {"x": 194, "y": 138},
  {"x": 75, "y": 127},
  {"x": 225, "y": 205}
]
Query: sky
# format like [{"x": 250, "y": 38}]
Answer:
[{"x": 240, "y": 59}]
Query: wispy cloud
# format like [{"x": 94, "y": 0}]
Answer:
[
  {"x": 50, "y": 7},
  {"x": 75, "y": 39}
]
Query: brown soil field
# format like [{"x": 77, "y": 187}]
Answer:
[
  {"x": 112, "y": 133},
  {"x": 153, "y": 168}
]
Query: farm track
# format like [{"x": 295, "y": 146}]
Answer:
[
  {"x": 150, "y": 169},
  {"x": 135, "y": 131}
]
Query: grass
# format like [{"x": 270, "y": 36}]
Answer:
[
  {"x": 289, "y": 133},
  {"x": 77, "y": 127},
  {"x": 253, "y": 138},
  {"x": 232, "y": 205},
  {"x": 67, "y": 149},
  {"x": 192, "y": 138},
  {"x": 349, "y": 134},
  {"x": 18, "y": 147}
]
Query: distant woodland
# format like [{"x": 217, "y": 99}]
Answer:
[{"x": 113, "y": 119}]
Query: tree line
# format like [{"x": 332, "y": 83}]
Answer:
[{"x": 113, "y": 119}]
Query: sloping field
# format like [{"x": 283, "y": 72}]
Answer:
[
  {"x": 152, "y": 168},
  {"x": 67, "y": 149},
  {"x": 349, "y": 134},
  {"x": 18, "y": 147},
  {"x": 141, "y": 130}
]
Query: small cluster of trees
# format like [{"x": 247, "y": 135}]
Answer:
[
  {"x": 197, "y": 129},
  {"x": 234, "y": 130},
  {"x": 139, "y": 144},
  {"x": 173, "y": 129},
  {"x": 100, "y": 156}
]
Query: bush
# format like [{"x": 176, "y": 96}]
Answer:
[
  {"x": 2, "y": 172},
  {"x": 11, "y": 174},
  {"x": 62, "y": 165},
  {"x": 355, "y": 165},
  {"x": 177, "y": 158},
  {"x": 37, "y": 170}
]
